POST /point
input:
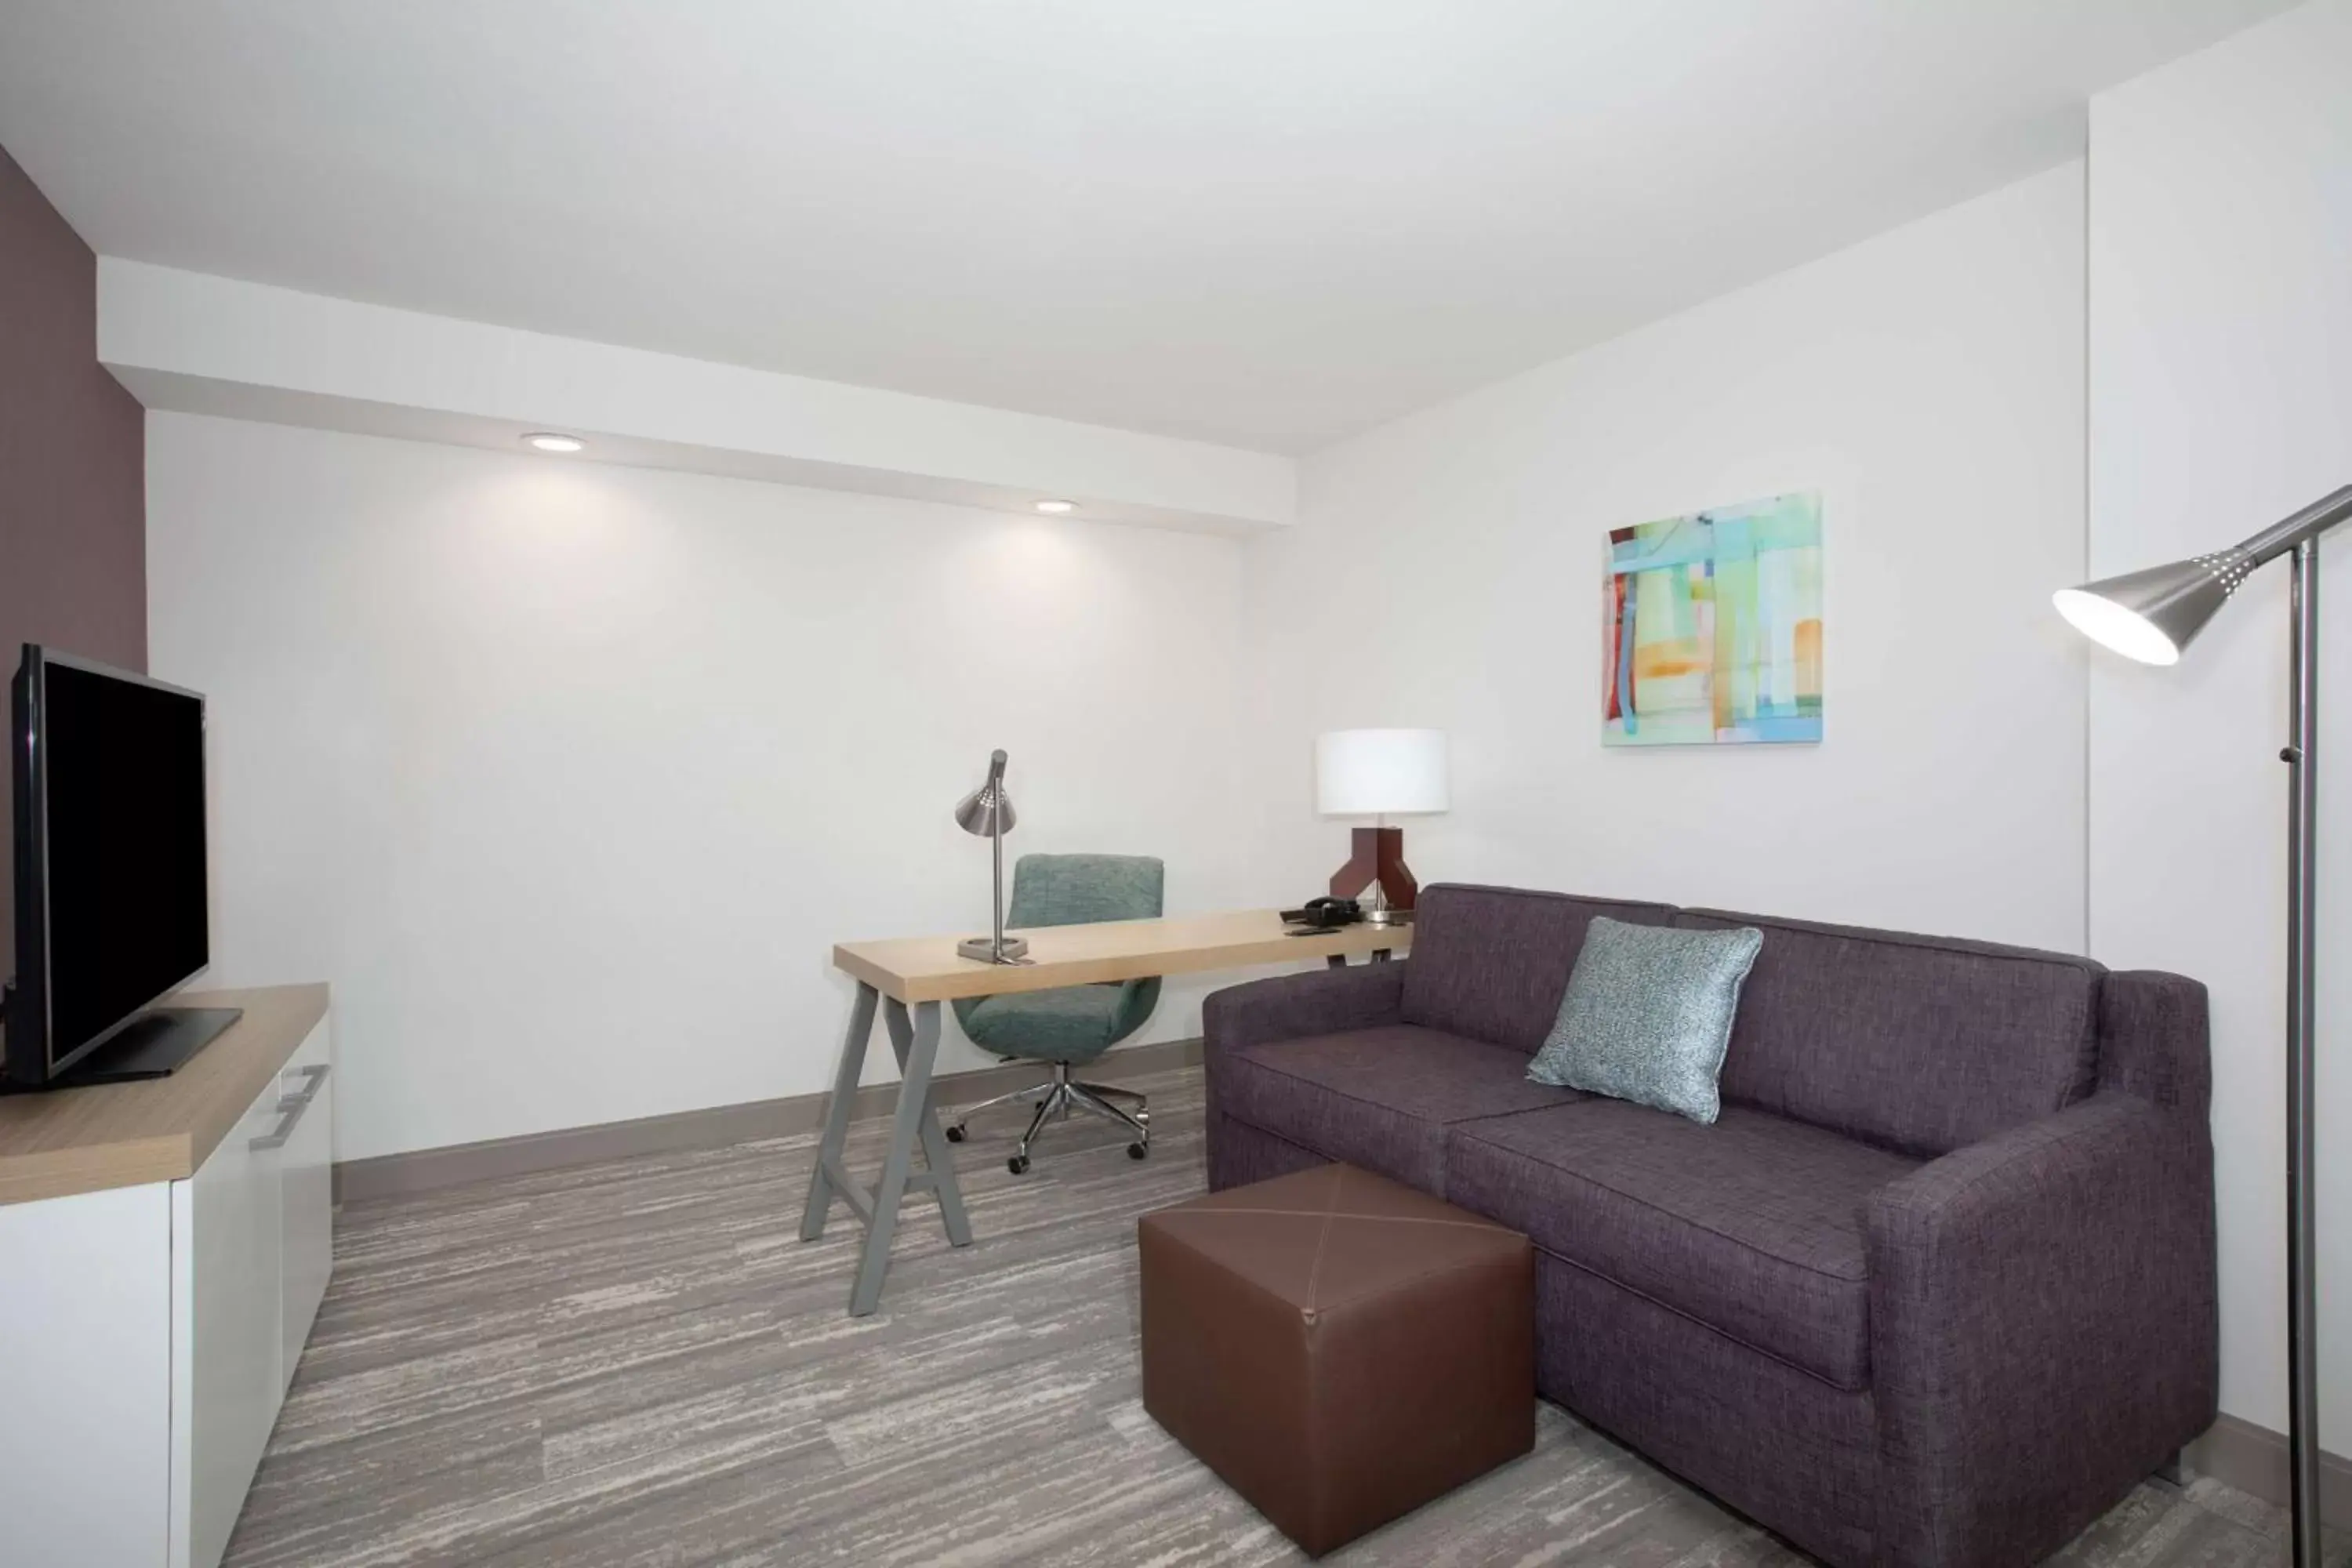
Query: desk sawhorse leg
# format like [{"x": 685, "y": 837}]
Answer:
[{"x": 916, "y": 1042}]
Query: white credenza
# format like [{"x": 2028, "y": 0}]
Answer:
[{"x": 148, "y": 1326}]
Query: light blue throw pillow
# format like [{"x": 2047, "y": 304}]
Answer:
[{"x": 1648, "y": 1015}]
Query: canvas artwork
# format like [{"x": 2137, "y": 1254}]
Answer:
[{"x": 1712, "y": 626}]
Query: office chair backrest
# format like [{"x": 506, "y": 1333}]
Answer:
[{"x": 1080, "y": 889}]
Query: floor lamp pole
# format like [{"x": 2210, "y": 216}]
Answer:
[{"x": 2303, "y": 920}]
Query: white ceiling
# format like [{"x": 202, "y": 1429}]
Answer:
[{"x": 1264, "y": 222}]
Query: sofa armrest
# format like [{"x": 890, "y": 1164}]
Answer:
[
  {"x": 1294, "y": 1007},
  {"x": 2156, "y": 1039},
  {"x": 2043, "y": 1327}
]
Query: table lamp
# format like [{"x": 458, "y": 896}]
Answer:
[
  {"x": 988, "y": 810},
  {"x": 1378, "y": 773},
  {"x": 2153, "y": 615}
]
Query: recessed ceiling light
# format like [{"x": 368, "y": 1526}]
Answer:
[
  {"x": 547, "y": 441},
  {"x": 1057, "y": 507}
]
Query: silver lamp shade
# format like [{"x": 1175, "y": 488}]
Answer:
[
  {"x": 2152, "y": 615},
  {"x": 988, "y": 809}
]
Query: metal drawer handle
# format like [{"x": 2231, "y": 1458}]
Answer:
[
  {"x": 313, "y": 1076},
  {"x": 291, "y": 1109}
]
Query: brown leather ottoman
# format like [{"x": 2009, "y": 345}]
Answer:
[{"x": 1339, "y": 1348}]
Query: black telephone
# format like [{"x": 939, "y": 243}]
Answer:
[{"x": 1324, "y": 914}]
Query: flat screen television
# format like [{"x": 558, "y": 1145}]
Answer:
[{"x": 108, "y": 769}]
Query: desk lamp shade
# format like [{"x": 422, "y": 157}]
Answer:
[
  {"x": 988, "y": 809},
  {"x": 1378, "y": 773}
]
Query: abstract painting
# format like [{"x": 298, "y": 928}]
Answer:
[{"x": 1711, "y": 627}]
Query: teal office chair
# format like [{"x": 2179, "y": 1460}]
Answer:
[{"x": 1069, "y": 1028}]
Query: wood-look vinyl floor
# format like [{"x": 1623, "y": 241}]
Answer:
[{"x": 636, "y": 1362}]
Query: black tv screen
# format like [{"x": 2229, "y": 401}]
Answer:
[{"x": 114, "y": 825}]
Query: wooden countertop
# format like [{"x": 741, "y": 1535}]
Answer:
[
  {"x": 158, "y": 1129},
  {"x": 926, "y": 969}
]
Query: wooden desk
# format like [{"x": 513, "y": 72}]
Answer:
[{"x": 908, "y": 977}]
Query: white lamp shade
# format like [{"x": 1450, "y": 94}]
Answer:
[{"x": 1376, "y": 772}]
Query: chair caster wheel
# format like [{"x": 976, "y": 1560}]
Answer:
[
  {"x": 1137, "y": 1151},
  {"x": 1018, "y": 1163},
  {"x": 955, "y": 1133}
]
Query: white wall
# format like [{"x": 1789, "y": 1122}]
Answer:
[
  {"x": 1446, "y": 572},
  {"x": 2220, "y": 336},
  {"x": 568, "y": 777}
]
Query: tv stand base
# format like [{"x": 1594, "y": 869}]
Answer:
[{"x": 151, "y": 1046}]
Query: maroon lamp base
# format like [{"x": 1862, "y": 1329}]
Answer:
[{"x": 1377, "y": 856}]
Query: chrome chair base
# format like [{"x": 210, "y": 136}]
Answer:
[{"x": 1054, "y": 1099}]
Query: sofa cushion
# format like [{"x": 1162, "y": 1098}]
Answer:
[
  {"x": 1493, "y": 963},
  {"x": 1379, "y": 1099},
  {"x": 1751, "y": 1226},
  {"x": 1924, "y": 1043}
]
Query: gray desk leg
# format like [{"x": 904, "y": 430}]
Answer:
[
  {"x": 938, "y": 1157},
  {"x": 906, "y": 1132},
  {"x": 1337, "y": 960},
  {"x": 831, "y": 1148}
]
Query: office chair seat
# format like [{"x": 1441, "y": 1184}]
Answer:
[{"x": 1074, "y": 1025}]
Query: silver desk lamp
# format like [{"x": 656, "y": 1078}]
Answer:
[
  {"x": 2152, "y": 616},
  {"x": 989, "y": 811}
]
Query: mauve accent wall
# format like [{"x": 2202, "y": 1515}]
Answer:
[{"x": 73, "y": 466}]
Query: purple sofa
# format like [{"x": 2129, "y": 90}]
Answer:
[{"x": 1936, "y": 1291}]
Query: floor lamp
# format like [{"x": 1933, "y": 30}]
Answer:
[{"x": 2152, "y": 616}]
